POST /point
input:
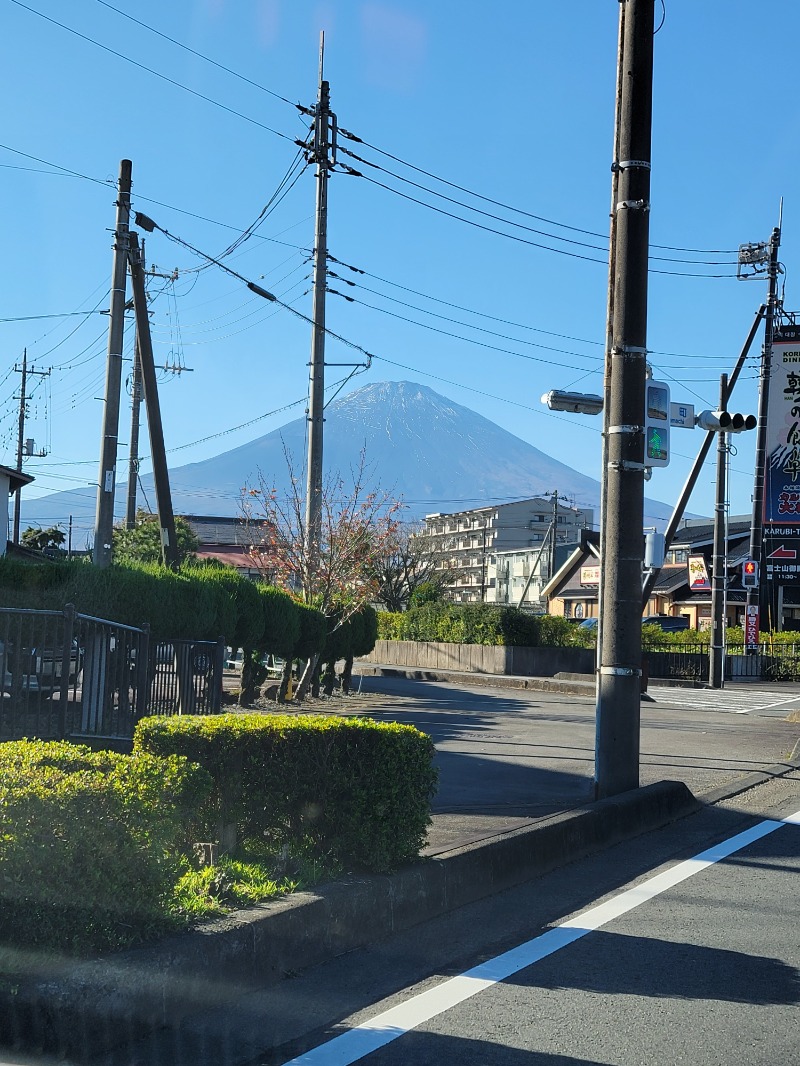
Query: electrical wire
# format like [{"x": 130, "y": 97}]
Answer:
[
  {"x": 199, "y": 55},
  {"x": 480, "y": 314},
  {"x": 519, "y": 225},
  {"x": 517, "y": 210},
  {"x": 156, "y": 73},
  {"x": 513, "y": 236}
]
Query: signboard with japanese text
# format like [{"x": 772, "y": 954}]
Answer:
[
  {"x": 782, "y": 468},
  {"x": 698, "y": 574},
  {"x": 590, "y": 575},
  {"x": 751, "y": 627}
]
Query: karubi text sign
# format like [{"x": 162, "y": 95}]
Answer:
[{"x": 781, "y": 514}]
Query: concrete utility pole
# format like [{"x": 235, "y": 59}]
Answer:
[
  {"x": 25, "y": 371},
  {"x": 316, "y": 383},
  {"x": 133, "y": 450},
  {"x": 620, "y": 657},
  {"x": 104, "y": 518},
  {"x": 716, "y": 650},
  {"x": 759, "y": 597},
  {"x": 166, "y": 518},
  {"x": 554, "y": 538}
]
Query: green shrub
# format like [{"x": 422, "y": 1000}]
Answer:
[
  {"x": 359, "y": 790},
  {"x": 91, "y": 843},
  {"x": 281, "y": 617},
  {"x": 313, "y": 632},
  {"x": 480, "y": 623},
  {"x": 391, "y": 625}
]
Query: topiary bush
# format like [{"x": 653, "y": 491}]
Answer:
[
  {"x": 91, "y": 843},
  {"x": 359, "y": 791}
]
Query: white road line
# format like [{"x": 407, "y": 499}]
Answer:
[{"x": 395, "y": 1022}]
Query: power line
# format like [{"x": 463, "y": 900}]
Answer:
[
  {"x": 529, "y": 229},
  {"x": 479, "y": 314},
  {"x": 200, "y": 55},
  {"x": 108, "y": 184},
  {"x": 520, "y": 211},
  {"x": 513, "y": 236},
  {"x": 155, "y": 73}
]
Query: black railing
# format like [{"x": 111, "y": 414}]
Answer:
[
  {"x": 689, "y": 662},
  {"x": 677, "y": 662},
  {"x": 65, "y": 674}
]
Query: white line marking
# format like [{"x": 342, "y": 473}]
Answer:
[{"x": 395, "y": 1022}]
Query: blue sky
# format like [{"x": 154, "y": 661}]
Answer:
[{"x": 512, "y": 101}]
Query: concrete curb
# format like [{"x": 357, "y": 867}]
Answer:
[
  {"x": 80, "y": 1008},
  {"x": 456, "y": 677},
  {"x": 759, "y": 777}
]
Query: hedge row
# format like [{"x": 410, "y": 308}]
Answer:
[
  {"x": 475, "y": 624},
  {"x": 91, "y": 842},
  {"x": 198, "y": 602},
  {"x": 360, "y": 791}
]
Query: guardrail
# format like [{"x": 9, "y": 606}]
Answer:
[{"x": 70, "y": 675}]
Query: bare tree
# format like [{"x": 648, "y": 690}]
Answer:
[
  {"x": 410, "y": 558},
  {"x": 357, "y": 524}
]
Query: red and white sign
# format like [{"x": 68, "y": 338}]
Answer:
[
  {"x": 783, "y": 553},
  {"x": 751, "y": 627}
]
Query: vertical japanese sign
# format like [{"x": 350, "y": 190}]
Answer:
[
  {"x": 698, "y": 574},
  {"x": 751, "y": 627},
  {"x": 782, "y": 471}
]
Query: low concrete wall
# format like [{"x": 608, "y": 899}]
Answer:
[
  {"x": 81, "y": 1008},
  {"x": 481, "y": 659}
]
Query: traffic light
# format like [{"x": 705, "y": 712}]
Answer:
[
  {"x": 725, "y": 421},
  {"x": 750, "y": 574},
  {"x": 656, "y": 424}
]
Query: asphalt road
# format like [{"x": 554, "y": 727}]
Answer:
[
  {"x": 507, "y": 756},
  {"x": 644, "y": 955}
]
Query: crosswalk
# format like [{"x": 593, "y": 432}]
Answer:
[{"x": 735, "y": 699}]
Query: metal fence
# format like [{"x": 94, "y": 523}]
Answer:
[
  {"x": 69, "y": 675},
  {"x": 690, "y": 662}
]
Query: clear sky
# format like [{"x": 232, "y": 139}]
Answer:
[{"x": 513, "y": 101}]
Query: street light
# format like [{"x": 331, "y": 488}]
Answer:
[{"x": 578, "y": 403}]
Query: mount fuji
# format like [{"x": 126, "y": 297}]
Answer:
[{"x": 419, "y": 446}]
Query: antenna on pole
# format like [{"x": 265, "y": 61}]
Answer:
[{"x": 322, "y": 58}]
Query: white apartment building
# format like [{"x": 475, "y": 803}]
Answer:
[{"x": 469, "y": 543}]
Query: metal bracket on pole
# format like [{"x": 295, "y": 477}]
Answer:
[
  {"x": 628, "y": 349},
  {"x": 629, "y": 164},
  {"x": 626, "y": 429},
  {"x": 634, "y": 205},
  {"x": 621, "y": 671},
  {"x": 624, "y": 464}
]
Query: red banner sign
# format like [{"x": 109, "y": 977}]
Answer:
[{"x": 751, "y": 627}]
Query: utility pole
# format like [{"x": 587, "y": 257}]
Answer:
[
  {"x": 133, "y": 451},
  {"x": 554, "y": 529},
  {"x": 619, "y": 674},
  {"x": 758, "y": 598},
  {"x": 324, "y": 123},
  {"x": 25, "y": 371},
  {"x": 166, "y": 517},
  {"x": 104, "y": 518},
  {"x": 716, "y": 651}
]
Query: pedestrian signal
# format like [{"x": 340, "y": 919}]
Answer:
[
  {"x": 750, "y": 574},
  {"x": 656, "y": 424}
]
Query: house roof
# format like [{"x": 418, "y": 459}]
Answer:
[
  {"x": 16, "y": 478},
  {"x": 670, "y": 578}
]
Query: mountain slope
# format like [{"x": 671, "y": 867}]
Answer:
[{"x": 433, "y": 453}]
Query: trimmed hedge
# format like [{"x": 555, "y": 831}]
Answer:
[
  {"x": 481, "y": 623},
  {"x": 360, "y": 791},
  {"x": 198, "y": 602},
  {"x": 91, "y": 843}
]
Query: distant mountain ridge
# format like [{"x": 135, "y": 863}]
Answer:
[{"x": 420, "y": 446}]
